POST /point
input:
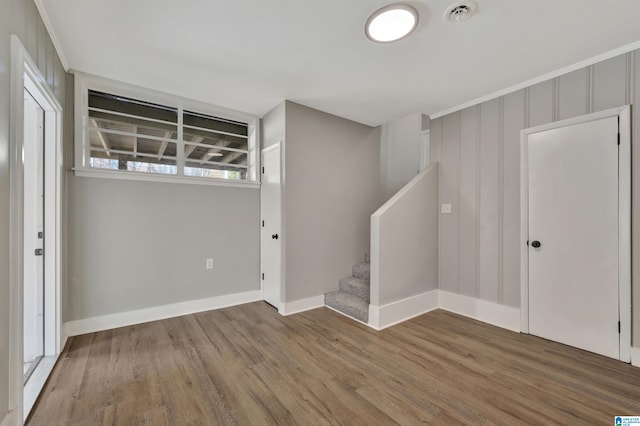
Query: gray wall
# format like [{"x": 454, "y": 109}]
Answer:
[
  {"x": 479, "y": 152},
  {"x": 21, "y": 18},
  {"x": 406, "y": 224},
  {"x": 400, "y": 152},
  {"x": 331, "y": 189},
  {"x": 273, "y": 126},
  {"x": 136, "y": 245}
]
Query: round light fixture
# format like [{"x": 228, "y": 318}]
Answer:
[{"x": 391, "y": 23}]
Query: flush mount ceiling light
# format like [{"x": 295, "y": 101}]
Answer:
[
  {"x": 391, "y": 23},
  {"x": 460, "y": 11}
]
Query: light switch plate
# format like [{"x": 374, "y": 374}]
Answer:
[
  {"x": 210, "y": 263},
  {"x": 446, "y": 208}
]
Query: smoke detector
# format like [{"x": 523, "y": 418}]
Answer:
[{"x": 460, "y": 11}]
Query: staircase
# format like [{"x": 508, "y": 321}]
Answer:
[{"x": 352, "y": 297}]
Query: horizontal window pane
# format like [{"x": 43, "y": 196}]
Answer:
[
  {"x": 128, "y": 106},
  {"x": 118, "y": 124},
  {"x": 214, "y": 173},
  {"x": 103, "y": 163},
  {"x": 200, "y": 148},
  {"x": 146, "y": 167},
  {"x": 215, "y": 124},
  {"x": 132, "y": 145},
  {"x": 127, "y": 162}
]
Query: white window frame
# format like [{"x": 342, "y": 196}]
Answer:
[{"x": 85, "y": 82}]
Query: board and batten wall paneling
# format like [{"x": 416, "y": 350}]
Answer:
[
  {"x": 490, "y": 270},
  {"x": 449, "y": 193}
]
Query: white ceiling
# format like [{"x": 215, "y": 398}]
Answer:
[{"x": 250, "y": 55}]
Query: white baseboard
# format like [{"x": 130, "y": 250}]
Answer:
[
  {"x": 123, "y": 319},
  {"x": 481, "y": 310},
  {"x": 289, "y": 308},
  {"x": 381, "y": 317},
  {"x": 635, "y": 356},
  {"x": 9, "y": 419}
]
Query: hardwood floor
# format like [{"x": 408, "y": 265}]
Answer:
[{"x": 247, "y": 365}]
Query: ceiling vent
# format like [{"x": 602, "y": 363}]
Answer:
[{"x": 460, "y": 11}]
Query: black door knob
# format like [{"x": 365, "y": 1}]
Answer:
[
  {"x": 274, "y": 236},
  {"x": 535, "y": 244}
]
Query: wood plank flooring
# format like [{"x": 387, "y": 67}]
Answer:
[{"x": 247, "y": 365}]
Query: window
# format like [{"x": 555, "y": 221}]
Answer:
[{"x": 130, "y": 132}]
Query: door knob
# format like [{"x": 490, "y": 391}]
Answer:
[
  {"x": 274, "y": 236},
  {"x": 535, "y": 244}
]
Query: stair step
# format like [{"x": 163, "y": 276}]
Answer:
[
  {"x": 356, "y": 286},
  {"x": 361, "y": 270},
  {"x": 348, "y": 304}
]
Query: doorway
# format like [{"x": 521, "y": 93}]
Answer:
[
  {"x": 576, "y": 232},
  {"x": 33, "y": 213},
  {"x": 35, "y": 231},
  {"x": 271, "y": 241}
]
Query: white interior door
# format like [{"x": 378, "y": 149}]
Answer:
[
  {"x": 271, "y": 213},
  {"x": 33, "y": 229},
  {"x": 573, "y": 235}
]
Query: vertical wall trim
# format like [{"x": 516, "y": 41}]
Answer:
[
  {"x": 526, "y": 108},
  {"x": 555, "y": 95},
  {"x": 629, "y": 77},
  {"x": 501, "y": 200},
  {"x": 458, "y": 209},
  {"x": 589, "y": 97},
  {"x": 478, "y": 198}
]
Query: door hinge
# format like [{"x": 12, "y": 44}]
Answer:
[
  {"x": 618, "y": 327},
  {"x": 263, "y": 275},
  {"x": 263, "y": 223},
  {"x": 263, "y": 170},
  {"x": 40, "y": 235},
  {"x": 618, "y": 138}
]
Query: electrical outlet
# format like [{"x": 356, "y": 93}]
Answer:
[
  {"x": 446, "y": 209},
  {"x": 210, "y": 263}
]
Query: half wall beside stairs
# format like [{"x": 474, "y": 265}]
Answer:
[{"x": 404, "y": 243}]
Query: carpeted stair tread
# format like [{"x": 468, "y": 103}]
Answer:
[
  {"x": 349, "y": 304},
  {"x": 356, "y": 286},
  {"x": 361, "y": 270}
]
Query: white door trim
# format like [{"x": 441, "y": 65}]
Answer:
[
  {"x": 25, "y": 73},
  {"x": 277, "y": 145},
  {"x": 624, "y": 207}
]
